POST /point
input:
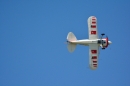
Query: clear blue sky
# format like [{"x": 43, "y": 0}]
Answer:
[{"x": 32, "y": 48}]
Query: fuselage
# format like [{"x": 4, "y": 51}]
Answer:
[{"x": 86, "y": 42}]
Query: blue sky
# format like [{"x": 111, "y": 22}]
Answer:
[{"x": 32, "y": 48}]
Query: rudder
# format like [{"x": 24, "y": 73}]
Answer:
[{"x": 71, "y": 37}]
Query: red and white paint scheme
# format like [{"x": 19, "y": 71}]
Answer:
[{"x": 94, "y": 42}]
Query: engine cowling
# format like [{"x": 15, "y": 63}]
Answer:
[{"x": 105, "y": 43}]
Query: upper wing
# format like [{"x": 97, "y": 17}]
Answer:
[
  {"x": 93, "y": 55},
  {"x": 92, "y": 27}
]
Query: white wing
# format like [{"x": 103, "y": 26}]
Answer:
[
  {"x": 92, "y": 27},
  {"x": 93, "y": 56}
]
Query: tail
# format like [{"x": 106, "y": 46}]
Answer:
[{"x": 70, "y": 38}]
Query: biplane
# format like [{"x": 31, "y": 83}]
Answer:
[{"x": 94, "y": 42}]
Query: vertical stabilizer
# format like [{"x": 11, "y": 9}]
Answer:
[{"x": 71, "y": 37}]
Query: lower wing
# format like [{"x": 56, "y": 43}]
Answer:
[{"x": 93, "y": 56}]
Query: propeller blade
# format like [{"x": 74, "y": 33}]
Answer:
[{"x": 106, "y": 36}]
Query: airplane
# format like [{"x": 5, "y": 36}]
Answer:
[{"x": 94, "y": 42}]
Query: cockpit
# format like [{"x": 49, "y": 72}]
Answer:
[{"x": 101, "y": 41}]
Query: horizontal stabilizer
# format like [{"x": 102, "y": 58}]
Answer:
[{"x": 71, "y": 47}]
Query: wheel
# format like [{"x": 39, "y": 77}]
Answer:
[
  {"x": 103, "y": 48},
  {"x": 102, "y": 34}
]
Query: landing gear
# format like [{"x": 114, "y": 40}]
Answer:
[
  {"x": 103, "y": 48},
  {"x": 102, "y": 34}
]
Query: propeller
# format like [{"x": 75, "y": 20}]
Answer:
[
  {"x": 107, "y": 41},
  {"x": 107, "y": 37}
]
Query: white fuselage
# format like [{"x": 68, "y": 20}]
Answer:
[{"x": 85, "y": 42}]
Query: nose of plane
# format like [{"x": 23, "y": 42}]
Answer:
[{"x": 109, "y": 42}]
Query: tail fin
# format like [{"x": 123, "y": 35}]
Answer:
[{"x": 71, "y": 37}]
